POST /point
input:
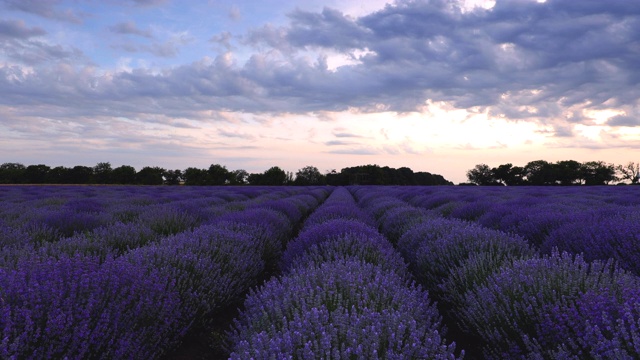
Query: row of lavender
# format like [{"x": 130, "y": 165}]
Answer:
[
  {"x": 123, "y": 272},
  {"x": 600, "y": 222},
  {"x": 495, "y": 289},
  {"x": 344, "y": 293}
]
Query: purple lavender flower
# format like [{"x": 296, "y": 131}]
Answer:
[
  {"x": 508, "y": 310},
  {"x": 374, "y": 250},
  {"x": 397, "y": 220},
  {"x": 211, "y": 267},
  {"x": 74, "y": 307},
  {"x": 340, "y": 309},
  {"x": 601, "y": 237}
]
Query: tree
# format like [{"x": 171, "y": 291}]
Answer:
[
  {"x": 404, "y": 176},
  {"x": 274, "y": 176},
  {"x": 568, "y": 172},
  {"x": 58, "y": 175},
  {"x": 255, "y": 179},
  {"x": 481, "y": 174},
  {"x": 503, "y": 174},
  {"x": 238, "y": 177},
  {"x": 11, "y": 173},
  {"x": 335, "y": 178},
  {"x": 598, "y": 173},
  {"x": 630, "y": 172},
  {"x": 217, "y": 175},
  {"x": 81, "y": 175},
  {"x": 150, "y": 175},
  {"x": 509, "y": 175},
  {"x": 103, "y": 173},
  {"x": 309, "y": 175},
  {"x": 124, "y": 175},
  {"x": 194, "y": 176},
  {"x": 36, "y": 174},
  {"x": 540, "y": 172},
  {"x": 172, "y": 177}
]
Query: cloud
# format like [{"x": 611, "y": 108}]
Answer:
[
  {"x": 148, "y": 2},
  {"x": 623, "y": 120},
  {"x": 338, "y": 143},
  {"x": 234, "y": 13},
  {"x": 46, "y": 9},
  {"x": 235, "y": 134},
  {"x": 16, "y": 29},
  {"x": 35, "y": 52},
  {"x": 355, "y": 151},
  {"x": 224, "y": 39},
  {"x": 166, "y": 49},
  {"x": 129, "y": 28},
  {"x": 520, "y": 60},
  {"x": 340, "y": 133}
]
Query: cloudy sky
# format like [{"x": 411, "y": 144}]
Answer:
[{"x": 437, "y": 85}]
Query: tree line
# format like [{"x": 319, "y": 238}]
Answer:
[
  {"x": 566, "y": 172},
  {"x": 216, "y": 174}
]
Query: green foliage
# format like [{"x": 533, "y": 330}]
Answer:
[{"x": 541, "y": 172}]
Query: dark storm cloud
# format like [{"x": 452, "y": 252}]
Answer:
[{"x": 520, "y": 60}]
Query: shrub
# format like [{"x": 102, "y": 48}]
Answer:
[
  {"x": 211, "y": 267},
  {"x": 374, "y": 250},
  {"x": 105, "y": 241},
  {"x": 74, "y": 307},
  {"x": 507, "y": 311},
  {"x": 343, "y": 309},
  {"x": 167, "y": 220},
  {"x": 600, "y": 324},
  {"x": 601, "y": 237},
  {"x": 436, "y": 258},
  {"x": 425, "y": 232},
  {"x": 397, "y": 220},
  {"x": 339, "y": 210},
  {"x": 318, "y": 233}
]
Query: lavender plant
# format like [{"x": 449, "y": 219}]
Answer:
[
  {"x": 436, "y": 257},
  {"x": 210, "y": 267},
  {"x": 342, "y": 309},
  {"x": 601, "y": 237},
  {"x": 374, "y": 250},
  {"x": 167, "y": 220},
  {"x": 600, "y": 324},
  {"x": 317, "y": 233},
  {"x": 73, "y": 307},
  {"x": 508, "y": 310},
  {"x": 397, "y": 220}
]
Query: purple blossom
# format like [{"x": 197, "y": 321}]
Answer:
[
  {"x": 508, "y": 310},
  {"x": 340, "y": 309},
  {"x": 374, "y": 250},
  {"x": 210, "y": 267},
  {"x": 319, "y": 233},
  {"x": 74, "y": 307}
]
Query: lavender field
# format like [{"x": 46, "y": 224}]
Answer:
[{"x": 105, "y": 272}]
